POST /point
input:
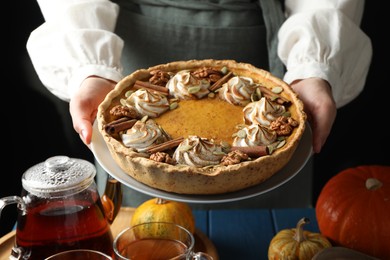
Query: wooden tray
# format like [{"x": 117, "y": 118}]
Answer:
[
  {"x": 122, "y": 220},
  {"x": 6, "y": 243}
]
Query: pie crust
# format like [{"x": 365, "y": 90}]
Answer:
[{"x": 184, "y": 179}]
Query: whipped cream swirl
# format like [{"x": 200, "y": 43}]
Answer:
[
  {"x": 262, "y": 112},
  {"x": 238, "y": 90},
  {"x": 198, "y": 152},
  {"x": 142, "y": 135},
  {"x": 151, "y": 104},
  {"x": 254, "y": 135},
  {"x": 185, "y": 86}
]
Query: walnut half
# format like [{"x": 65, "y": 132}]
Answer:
[
  {"x": 209, "y": 74},
  {"x": 283, "y": 125},
  {"x": 234, "y": 157},
  {"x": 162, "y": 157}
]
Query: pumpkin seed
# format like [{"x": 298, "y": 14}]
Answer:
[
  {"x": 254, "y": 97},
  {"x": 185, "y": 147},
  {"x": 164, "y": 133},
  {"x": 241, "y": 134},
  {"x": 281, "y": 144},
  {"x": 270, "y": 149},
  {"x": 193, "y": 90},
  {"x": 287, "y": 114},
  {"x": 128, "y": 93},
  {"x": 144, "y": 119},
  {"x": 277, "y": 90},
  {"x": 173, "y": 105},
  {"x": 258, "y": 93},
  {"x": 211, "y": 95},
  {"x": 218, "y": 153},
  {"x": 224, "y": 70}
]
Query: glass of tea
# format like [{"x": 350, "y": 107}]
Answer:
[
  {"x": 156, "y": 241},
  {"x": 80, "y": 254}
]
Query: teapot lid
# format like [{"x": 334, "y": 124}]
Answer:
[{"x": 58, "y": 175}]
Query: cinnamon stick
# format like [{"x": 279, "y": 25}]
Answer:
[
  {"x": 220, "y": 82},
  {"x": 273, "y": 96},
  {"x": 166, "y": 145},
  {"x": 121, "y": 124},
  {"x": 253, "y": 151},
  {"x": 149, "y": 86}
]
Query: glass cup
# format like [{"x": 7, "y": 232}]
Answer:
[
  {"x": 156, "y": 241},
  {"x": 80, "y": 254}
]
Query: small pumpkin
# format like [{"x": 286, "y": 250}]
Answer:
[
  {"x": 296, "y": 243},
  {"x": 353, "y": 209},
  {"x": 160, "y": 210}
]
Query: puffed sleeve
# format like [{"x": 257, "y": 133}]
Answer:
[
  {"x": 323, "y": 39},
  {"x": 75, "y": 41}
]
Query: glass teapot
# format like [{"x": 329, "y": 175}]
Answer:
[{"x": 60, "y": 209}]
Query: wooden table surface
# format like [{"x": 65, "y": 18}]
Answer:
[{"x": 228, "y": 234}]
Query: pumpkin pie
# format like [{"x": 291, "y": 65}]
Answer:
[{"x": 201, "y": 126}]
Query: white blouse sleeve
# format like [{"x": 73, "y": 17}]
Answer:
[
  {"x": 75, "y": 41},
  {"x": 322, "y": 38}
]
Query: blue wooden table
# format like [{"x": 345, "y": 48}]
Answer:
[{"x": 246, "y": 234}]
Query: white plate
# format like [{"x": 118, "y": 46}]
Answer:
[{"x": 298, "y": 160}]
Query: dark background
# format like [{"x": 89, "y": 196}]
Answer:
[{"x": 36, "y": 129}]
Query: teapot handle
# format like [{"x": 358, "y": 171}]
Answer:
[
  {"x": 112, "y": 198},
  {"x": 10, "y": 200}
]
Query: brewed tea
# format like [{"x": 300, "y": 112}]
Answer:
[
  {"x": 153, "y": 249},
  {"x": 58, "y": 226}
]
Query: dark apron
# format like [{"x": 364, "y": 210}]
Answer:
[{"x": 161, "y": 31}]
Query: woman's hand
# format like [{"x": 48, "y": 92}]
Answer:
[
  {"x": 319, "y": 106},
  {"x": 84, "y": 104}
]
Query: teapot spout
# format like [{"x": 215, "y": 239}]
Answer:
[{"x": 112, "y": 198}]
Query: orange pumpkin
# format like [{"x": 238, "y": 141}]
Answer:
[
  {"x": 160, "y": 210},
  {"x": 353, "y": 210}
]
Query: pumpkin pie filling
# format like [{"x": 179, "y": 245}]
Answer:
[{"x": 211, "y": 118}]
